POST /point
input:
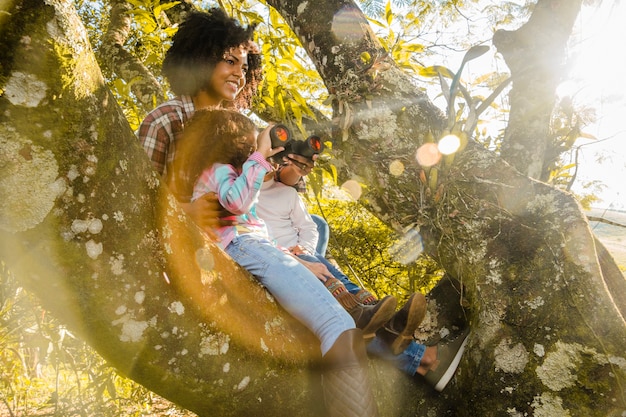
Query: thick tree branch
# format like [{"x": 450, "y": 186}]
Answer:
[
  {"x": 126, "y": 66},
  {"x": 535, "y": 54}
]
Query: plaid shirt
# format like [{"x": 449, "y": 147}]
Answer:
[{"x": 161, "y": 129}]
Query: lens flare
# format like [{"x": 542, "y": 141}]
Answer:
[
  {"x": 428, "y": 155},
  {"x": 205, "y": 260},
  {"x": 353, "y": 188},
  {"x": 409, "y": 247},
  {"x": 347, "y": 24},
  {"x": 449, "y": 144},
  {"x": 396, "y": 168}
]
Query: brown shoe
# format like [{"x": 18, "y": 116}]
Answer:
[
  {"x": 370, "y": 318},
  {"x": 398, "y": 332},
  {"x": 366, "y": 297}
]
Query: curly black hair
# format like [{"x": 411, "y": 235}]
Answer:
[
  {"x": 210, "y": 137},
  {"x": 200, "y": 43}
]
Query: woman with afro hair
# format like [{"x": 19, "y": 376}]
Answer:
[{"x": 213, "y": 62}]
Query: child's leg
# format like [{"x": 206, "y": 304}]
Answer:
[
  {"x": 323, "y": 232},
  {"x": 350, "y": 286},
  {"x": 296, "y": 288},
  {"x": 407, "y": 361}
]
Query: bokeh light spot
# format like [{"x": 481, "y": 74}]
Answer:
[
  {"x": 396, "y": 168},
  {"x": 205, "y": 259},
  {"x": 353, "y": 188},
  {"x": 449, "y": 144},
  {"x": 428, "y": 155}
]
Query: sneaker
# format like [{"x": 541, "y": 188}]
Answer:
[
  {"x": 398, "y": 332},
  {"x": 448, "y": 358},
  {"x": 370, "y": 318}
]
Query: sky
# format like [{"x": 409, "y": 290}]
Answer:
[{"x": 598, "y": 79}]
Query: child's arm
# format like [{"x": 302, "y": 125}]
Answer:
[
  {"x": 302, "y": 222},
  {"x": 238, "y": 192}
]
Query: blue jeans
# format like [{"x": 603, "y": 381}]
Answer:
[
  {"x": 295, "y": 288},
  {"x": 408, "y": 360},
  {"x": 324, "y": 234},
  {"x": 350, "y": 286}
]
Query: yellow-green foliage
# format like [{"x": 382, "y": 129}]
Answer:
[{"x": 360, "y": 243}]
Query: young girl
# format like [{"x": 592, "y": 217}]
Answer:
[{"x": 227, "y": 158}]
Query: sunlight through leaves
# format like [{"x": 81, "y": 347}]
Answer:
[{"x": 449, "y": 144}]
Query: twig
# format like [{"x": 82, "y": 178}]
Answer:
[{"x": 603, "y": 220}]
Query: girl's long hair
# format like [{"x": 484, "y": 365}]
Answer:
[{"x": 210, "y": 137}]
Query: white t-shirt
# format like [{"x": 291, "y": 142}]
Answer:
[{"x": 286, "y": 217}]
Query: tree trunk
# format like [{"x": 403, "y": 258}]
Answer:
[
  {"x": 119, "y": 61},
  {"x": 114, "y": 56},
  {"x": 536, "y": 56},
  {"x": 87, "y": 225}
]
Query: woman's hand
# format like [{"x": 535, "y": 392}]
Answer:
[
  {"x": 298, "y": 250},
  {"x": 208, "y": 213}
]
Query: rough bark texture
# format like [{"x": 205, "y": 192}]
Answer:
[
  {"x": 86, "y": 224},
  {"x": 613, "y": 277},
  {"x": 126, "y": 66},
  {"x": 546, "y": 333}
]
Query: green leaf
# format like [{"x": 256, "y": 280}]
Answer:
[
  {"x": 167, "y": 6},
  {"x": 377, "y": 23},
  {"x": 137, "y": 3},
  {"x": 435, "y": 71},
  {"x": 474, "y": 52},
  {"x": 414, "y": 47},
  {"x": 268, "y": 100},
  {"x": 388, "y": 13},
  {"x": 587, "y": 136}
]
